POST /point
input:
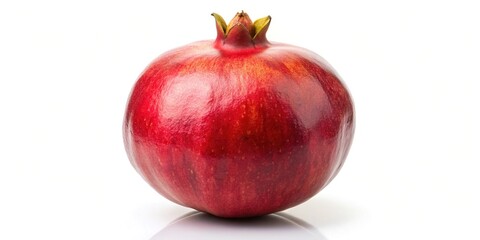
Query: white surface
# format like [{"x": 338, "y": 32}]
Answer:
[{"x": 66, "y": 70}]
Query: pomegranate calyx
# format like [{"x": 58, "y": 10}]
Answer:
[{"x": 241, "y": 31}]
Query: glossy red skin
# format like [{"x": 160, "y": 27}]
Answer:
[{"x": 238, "y": 134}]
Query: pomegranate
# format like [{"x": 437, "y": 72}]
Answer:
[{"x": 238, "y": 126}]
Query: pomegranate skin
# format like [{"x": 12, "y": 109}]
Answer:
[{"x": 238, "y": 130}]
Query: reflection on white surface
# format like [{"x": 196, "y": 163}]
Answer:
[{"x": 196, "y": 225}]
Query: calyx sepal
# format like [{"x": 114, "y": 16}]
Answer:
[{"x": 241, "y": 31}]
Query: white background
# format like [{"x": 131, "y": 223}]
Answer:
[{"x": 66, "y": 70}]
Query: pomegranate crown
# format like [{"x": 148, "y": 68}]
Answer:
[{"x": 241, "y": 31}]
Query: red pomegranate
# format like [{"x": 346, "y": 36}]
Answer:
[{"x": 238, "y": 126}]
